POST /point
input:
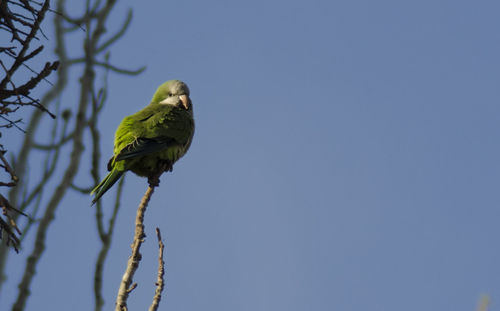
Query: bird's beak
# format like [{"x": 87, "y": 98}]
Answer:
[{"x": 186, "y": 102}]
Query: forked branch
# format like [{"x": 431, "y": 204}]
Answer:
[{"x": 126, "y": 286}]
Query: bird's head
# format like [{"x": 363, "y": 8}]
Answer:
[{"x": 173, "y": 92}]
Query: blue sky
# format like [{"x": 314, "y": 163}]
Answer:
[{"x": 346, "y": 157}]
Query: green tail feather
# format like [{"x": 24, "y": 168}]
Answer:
[{"x": 105, "y": 184}]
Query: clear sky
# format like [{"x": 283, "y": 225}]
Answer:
[{"x": 346, "y": 157}]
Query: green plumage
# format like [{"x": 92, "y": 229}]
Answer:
[{"x": 152, "y": 139}]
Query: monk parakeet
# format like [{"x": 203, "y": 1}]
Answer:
[{"x": 152, "y": 139}]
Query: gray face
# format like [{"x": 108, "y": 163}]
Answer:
[
  {"x": 177, "y": 94},
  {"x": 179, "y": 88}
]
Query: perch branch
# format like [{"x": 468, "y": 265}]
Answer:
[{"x": 135, "y": 258}]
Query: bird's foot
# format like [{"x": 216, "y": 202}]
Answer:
[{"x": 154, "y": 180}]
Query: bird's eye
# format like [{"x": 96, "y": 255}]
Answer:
[{"x": 169, "y": 94}]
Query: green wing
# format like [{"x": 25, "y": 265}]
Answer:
[
  {"x": 144, "y": 146},
  {"x": 153, "y": 129}
]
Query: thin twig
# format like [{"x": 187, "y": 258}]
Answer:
[
  {"x": 51, "y": 161},
  {"x": 160, "y": 282},
  {"x": 108, "y": 66},
  {"x": 5, "y": 165},
  {"x": 9, "y": 225}
]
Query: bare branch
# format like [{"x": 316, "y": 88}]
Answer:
[
  {"x": 113, "y": 68},
  {"x": 56, "y": 145},
  {"x": 160, "y": 283},
  {"x": 118, "y": 34},
  {"x": 121, "y": 70},
  {"x": 23, "y": 155},
  {"x": 15, "y": 94},
  {"x": 5, "y": 165},
  {"x": 50, "y": 166},
  {"x": 135, "y": 258},
  {"x": 10, "y": 95},
  {"x": 9, "y": 225},
  {"x": 87, "y": 82}
]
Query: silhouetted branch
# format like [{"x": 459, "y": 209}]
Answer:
[
  {"x": 5, "y": 165},
  {"x": 22, "y": 157},
  {"x": 23, "y": 24},
  {"x": 9, "y": 226},
  {"x": 15, "y": 94},
  {"x": 87, "y": 81},
  {"x": 13, "y": 23}
]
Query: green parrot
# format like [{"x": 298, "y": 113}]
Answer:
[{"x": 153, "y": 139}]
